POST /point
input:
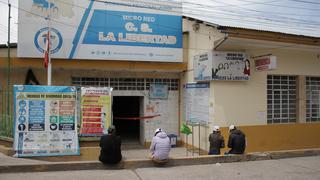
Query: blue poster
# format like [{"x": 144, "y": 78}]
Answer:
[{"x": 45, "y": 121}]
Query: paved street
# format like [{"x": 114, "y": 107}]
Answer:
[{"x": 283, "y": 169}]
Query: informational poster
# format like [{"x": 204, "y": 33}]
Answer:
[
  {"x": 101, "y": 30},
  {"x": 45, "y": 121},
  {"x": 202, "y": 67},
  {"x": 232, "y": 66},
  {"x": 95, "y": 110},
  {"x": 196, "y": 102},
  {"x": 158, "y": 91}
]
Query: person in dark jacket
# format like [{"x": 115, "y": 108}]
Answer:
[
  {"x": 216, "y": 141},
  {"x": 237, "y": 141},
  {"x": 110, "y": 145}
]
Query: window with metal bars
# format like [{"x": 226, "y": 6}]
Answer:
[
  {"x": 281, "y": 99},
  {"x": 313, "y": 99},
  {"x": 126, "y": 83}
]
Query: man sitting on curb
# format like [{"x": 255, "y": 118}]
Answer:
[
  {"x": 216, "y": 141},
  {"x": 237, "y": 141},
  {"x": 110, "y": 145},
  {"x": 160, "y": 147}
]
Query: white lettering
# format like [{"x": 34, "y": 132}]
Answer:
[
  {"x": 130, "y": 27},
  {"x": 145, "y": 28},
  {"x": 146, "y": 38},
  {"x": 109, "y": 37}
]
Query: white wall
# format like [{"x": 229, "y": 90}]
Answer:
[{"x": 169, "y": 111}]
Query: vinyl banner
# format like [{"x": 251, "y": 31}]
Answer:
[
  {"x": 95, "y": 110},
  {"x": 202, "y": 67},
  {"x": 232, "y": 66},
  {"x": 45, "y": 121},
  {"x": 196, "y": 106},
  {"x": 102, "y": 30}
]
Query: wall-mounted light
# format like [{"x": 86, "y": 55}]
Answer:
[{"x": 196, "y": 27}]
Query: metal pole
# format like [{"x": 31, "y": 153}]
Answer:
[
  {"x": 186, "y": 144},
  {"x": 199, "y": 139},
  {"x": 49, "y": 40},
  {"x": 192, "y": 141},
  {"x": 9, "y": 63}
]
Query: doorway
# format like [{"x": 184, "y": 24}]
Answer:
[{"x": 125, "y": 109}]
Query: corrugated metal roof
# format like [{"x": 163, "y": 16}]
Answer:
[{"x": 290, "y": 29}]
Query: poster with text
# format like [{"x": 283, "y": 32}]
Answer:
[
  {"x": 101, "y": 30},
  {"x": 95, "y": 110},
  {"x": 202, "y": 66},
  {"x": 196, "y": 103},
  {"x": 45, "y": 121},
  {"x": 230, "y": 66}
]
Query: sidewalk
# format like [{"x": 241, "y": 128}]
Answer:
[
  {"x": 129, "y": 154},
  {"x": 138, "y": 158}
]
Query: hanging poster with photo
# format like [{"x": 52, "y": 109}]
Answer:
[
  {"x": 232, "y": 66},
  {"x": 95, "y": 110},
  {"x": 45, "y": 121},
  {"x": 202, "y": 66},
  {"x": 196, "y": 103}
]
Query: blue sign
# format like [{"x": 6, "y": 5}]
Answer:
[
  {"x": 158, "y": 91},
  {"x": 134, "y": 29}
]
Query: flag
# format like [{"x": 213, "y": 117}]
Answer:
[
  {"x": 185, "y": 129},
  {"x": 46, "y": 52}
]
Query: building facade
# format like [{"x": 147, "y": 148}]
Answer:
[{"x": 277, "y": 108}]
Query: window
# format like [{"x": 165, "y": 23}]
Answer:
[
  {"x": 281, "y": 99},
  {"x": 126, "y": 83},
  {"x": 313, "y": 99}
]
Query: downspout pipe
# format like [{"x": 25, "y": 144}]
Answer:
[{"x": 221, "y": 42}]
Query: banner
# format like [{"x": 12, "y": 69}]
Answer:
[
  {"x": 202, "y": 67},
  {"x": 109, "y": 30},
  {"x": 232, "y": 66},
  {"x": 196, "y": 102},
  {"x": 265, "y": 63},
  {"x": 95, "y": 110},
  {"x": 45, "y": 121}
]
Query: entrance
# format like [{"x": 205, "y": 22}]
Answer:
[{"x": 125, "y": 108}]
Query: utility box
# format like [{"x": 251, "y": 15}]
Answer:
[{"x": 173, "y": 139}]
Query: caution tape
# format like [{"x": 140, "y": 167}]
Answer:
[{"x": 137, "y": 118}]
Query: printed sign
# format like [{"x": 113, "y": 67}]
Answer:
[
  {"x": 266, "y": 63},
  {"x": 111, "y": 30},
  {"x": 232, "y": 66},
  {"x": 158, "y": 91},
  {"x": 202, "y": 67},
  {"x": 45, "y": 121},
  {"x": 95, "y": 110},
  {"x": 196, "y": 102}
]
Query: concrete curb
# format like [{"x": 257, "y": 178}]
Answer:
[{"x": 145, "y": 163}]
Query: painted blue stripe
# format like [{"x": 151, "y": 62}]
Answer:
[{"x": 80, "y": 29}]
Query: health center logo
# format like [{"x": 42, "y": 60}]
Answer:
[{"x": 40, "y": 40}]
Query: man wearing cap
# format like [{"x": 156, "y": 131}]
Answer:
[
  {"x": 216, "y": 141},
  {"x": 110, "y": 145},
  {"x": 160, "y": 146},
  {"x": 237, "y": 141}
]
